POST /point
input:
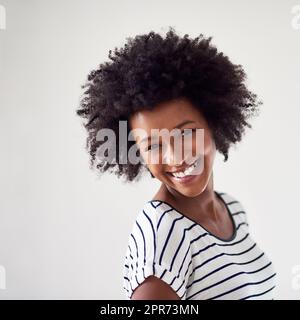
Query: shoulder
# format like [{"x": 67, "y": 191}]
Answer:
[
  {"x": 158, "y": 245},
  {"x": 161, "y": 217},
  {"x": 159, "y": 226}
]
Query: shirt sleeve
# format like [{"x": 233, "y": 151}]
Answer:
[{"x": 158, "y": 245}]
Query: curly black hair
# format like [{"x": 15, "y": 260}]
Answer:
[{"x": 151, "y": 69}]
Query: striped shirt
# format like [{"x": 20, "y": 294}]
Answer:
[{"x": 195, "y": 263}]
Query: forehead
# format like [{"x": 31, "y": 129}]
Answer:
[{"x": 167, "y": 115}]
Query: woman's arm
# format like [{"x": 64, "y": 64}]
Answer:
[{"x": 153, "y": 288}]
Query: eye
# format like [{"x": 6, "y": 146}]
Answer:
[
  {"x": 187, "y": 132},
  {"x": 152, "y": 147}
]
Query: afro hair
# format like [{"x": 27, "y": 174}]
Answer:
[{"x": 151, "y": 69}]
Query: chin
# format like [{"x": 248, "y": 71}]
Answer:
[
  {"x": 190, "y": 193},
  {"x": 189, "y": 190}
]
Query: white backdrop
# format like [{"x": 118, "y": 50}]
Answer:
[{"x": 63, "y": 232}]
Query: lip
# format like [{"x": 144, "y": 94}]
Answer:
[
  {"x": 185, "y": 179},
  {"x": 183, "y": 168}
]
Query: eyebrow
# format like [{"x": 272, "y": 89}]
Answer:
[{"x": 181, "y": 124}]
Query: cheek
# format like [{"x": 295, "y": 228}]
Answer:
[
  {"x": 206, "y": 150},
  {"x": 156, "y": 169},
  {"x": 152, "y": 158},
  {"x": 153, "y": 162},
  {"x": 209, "y": 154},
  {"x": 202, "y": 145}
]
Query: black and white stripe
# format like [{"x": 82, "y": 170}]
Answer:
[{"x": 196, "y": 264}]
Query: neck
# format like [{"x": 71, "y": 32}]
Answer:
[{"x": 204, "y": 206}]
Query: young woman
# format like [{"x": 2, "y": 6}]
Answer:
[{"x": 189, "y": 241}]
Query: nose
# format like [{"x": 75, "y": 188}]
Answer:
[{"x": 173, "y": 157}]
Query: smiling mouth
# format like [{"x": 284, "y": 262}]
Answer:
[{"x": 188, "y": 171}]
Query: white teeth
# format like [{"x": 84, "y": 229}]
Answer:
[{"x": 186, "y": 172}]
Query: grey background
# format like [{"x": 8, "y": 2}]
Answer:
[{"x": 63, "y": 231}]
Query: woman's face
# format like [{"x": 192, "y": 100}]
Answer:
[{"x": 185, "y": 172}]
